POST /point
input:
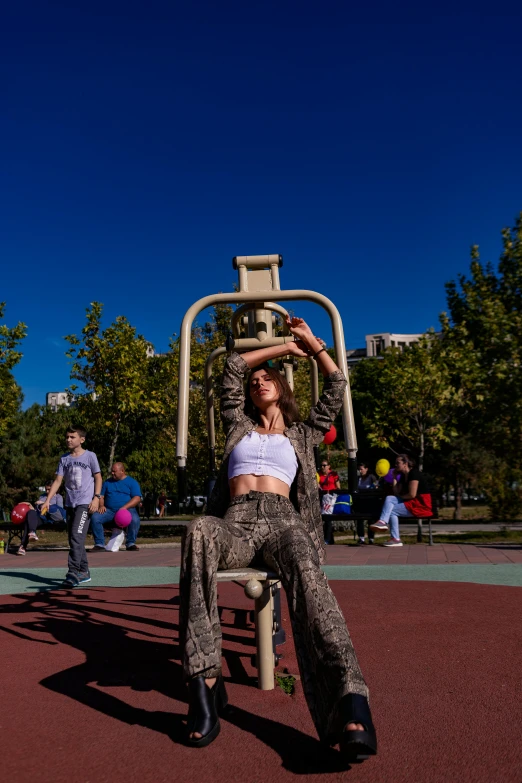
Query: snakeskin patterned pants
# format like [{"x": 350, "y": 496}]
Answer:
[{"x": 265, "y": 527}]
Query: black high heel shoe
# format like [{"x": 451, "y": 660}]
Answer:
[
  {"x": 354, "y": 744},
  {"x": 205, "y": 704}
]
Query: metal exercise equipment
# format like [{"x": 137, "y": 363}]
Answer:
[{"x": 252, "y": 327}]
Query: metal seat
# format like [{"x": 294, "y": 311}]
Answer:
[{"x": 263, "y": 586}]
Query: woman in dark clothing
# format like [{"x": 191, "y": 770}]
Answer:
[
  {"x": 265, "y": 506},
  {"x": 366, "y": 479},
  {"x": 411, "y": 498}
]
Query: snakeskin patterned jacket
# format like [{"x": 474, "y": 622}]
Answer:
[{"x": 304, "y": 435}]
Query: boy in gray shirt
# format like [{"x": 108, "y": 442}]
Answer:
[{"x": 83, "y": 483}]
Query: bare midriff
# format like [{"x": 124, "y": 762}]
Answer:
[{"x": 242, "y": 485}]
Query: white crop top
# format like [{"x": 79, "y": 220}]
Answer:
[{"x": 263, "y": 455}]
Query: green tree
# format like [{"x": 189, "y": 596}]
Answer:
[
  {"x": 10, "y": 392},
  {"x": 407, "y": 399},
  {"x": 30, "y": 451},
  {"x": 111, "y": 365},
  {"x": 482, "y": 337}
]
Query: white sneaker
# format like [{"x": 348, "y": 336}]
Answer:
[
  {"x": 379, "y": 526},
  {"x": 33, "y": 536},
  {"x": 393, "y": 542}
]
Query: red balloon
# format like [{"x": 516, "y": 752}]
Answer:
[
  {"x": 19, "y": 513},
  {"x": 330, "y": 436}
]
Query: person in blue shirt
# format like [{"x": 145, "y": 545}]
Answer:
[{"x": 119, "y": 491}]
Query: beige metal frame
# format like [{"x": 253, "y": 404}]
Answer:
[
  {"x": 259, "y": 586},
  {"x": 243, "y": 297},
  {"x": 259, "y": 286}
]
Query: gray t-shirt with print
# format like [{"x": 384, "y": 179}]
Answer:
[{"x": 79, "y": 477}]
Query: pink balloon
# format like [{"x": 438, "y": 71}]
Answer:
[{"x": 123, "y": 518}]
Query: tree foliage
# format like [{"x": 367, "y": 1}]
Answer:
[
  {"x": 10, "y": 392},
  {"x": 482, "y": 335},
  {"x": 407, "y": 399},
  {"x": 30, "y": 451},
  {"x": 111, "y": 365}
]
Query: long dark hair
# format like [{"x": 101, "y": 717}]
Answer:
[
  {"x": 286, "y": 403},
  {"x": 410, "y": 462}
]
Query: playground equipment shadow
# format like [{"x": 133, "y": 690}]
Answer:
[{"x": 96, "y": 676}]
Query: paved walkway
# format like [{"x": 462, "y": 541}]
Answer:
[
  {"x": 170, "y": 555},
  {"x": 159, "y": 565}
]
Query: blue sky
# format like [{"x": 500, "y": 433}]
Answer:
[{"x": 145, "y": 144}]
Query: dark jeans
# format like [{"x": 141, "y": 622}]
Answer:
[
  {"x": 360, "y": 529},
  {"x": 328, "y": 529},
  {"x": 99, "y": 520},
  {"x": 32, "y": 521},
  {"x": 77, "y": 527}
]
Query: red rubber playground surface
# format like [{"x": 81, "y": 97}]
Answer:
[{"x": 92, "y": 691}]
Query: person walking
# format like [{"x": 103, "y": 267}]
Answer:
[
  {"x": 268, "y": 458},
  {"x": 119, "y": 491},
  {"x": 83, "y": 483}
]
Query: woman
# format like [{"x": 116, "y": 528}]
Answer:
[
  {"x": 162, "y": 501},
  {"x": 328, "y": 479},
  {"x": 268, "y": 459},
  {"x": 54, "y": 513},
  {"x": 366, "y": 479},
  {"x": 411, "y": 498}
]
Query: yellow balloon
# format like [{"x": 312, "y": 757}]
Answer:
[{"x": 382, "y": 467}]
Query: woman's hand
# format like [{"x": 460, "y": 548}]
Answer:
[
  {"x": 305, "y": 339},
  {"x": 300, "y": 330},
  {"x": 298, "y": 348}
]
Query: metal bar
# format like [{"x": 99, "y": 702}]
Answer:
[
  {"x": 314, "y": 378},
  {"x": 272, "y": 306},
  {"x": 257, "y": 262},
  {"x": 258, "y": 296},
  {"x": 264, "y": 612},
  {"x": 288, "y": 369}
]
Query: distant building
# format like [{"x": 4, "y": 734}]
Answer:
[
  {"x": 376, "y": 343},
  {"x": 55, "y": 400}
]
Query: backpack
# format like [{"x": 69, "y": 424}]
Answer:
[{"x": 343, "y": 504}]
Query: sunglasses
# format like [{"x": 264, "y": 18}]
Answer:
[{"x": 324, "y": 465}]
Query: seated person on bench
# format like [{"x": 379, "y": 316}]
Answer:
[
  {"x": 411, "y": 498},
  {"x": 35, "y": 518},
  {"x": 119, "y": 491},
  {"x": 329, "y": 481},
  {"x": 265, "y": 505},
  {"x": 366, "y": 480}
]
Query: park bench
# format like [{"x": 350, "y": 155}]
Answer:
[
  {"x": 263, "y": 586},
  {"x": 367, "y": 506},
  {"x": 15, "y": 532}
]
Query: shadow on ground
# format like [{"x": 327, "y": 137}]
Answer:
[{"x": 105, "y": 633}]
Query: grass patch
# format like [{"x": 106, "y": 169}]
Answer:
[
  {"x": 50, "y": 539},
  {"x": 286, "y": 682},
  {"x": 468, "y": 513},
  {"x": 504, "y": 536},
  {"x": 472, "y": 537}
]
